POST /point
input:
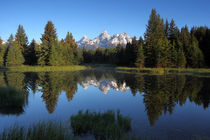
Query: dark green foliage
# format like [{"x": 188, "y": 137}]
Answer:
[
  {"x": 181, "y": 60},
  {"x": 14, "y": 56},
  {"x": 101, "y": 125},
  {"x": 3, "y": 49},
  {"x": 30, "y": 53},
  {"x": 140, "y": 54},
  {"x": 48, "y": 40},
  {"x": 202, "y": 34},
  {"x": 154, "y": 36},
  {"x": 21, "y": 39}
]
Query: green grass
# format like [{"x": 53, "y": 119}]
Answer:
[
  {"x": 40, "y": 131},
  {"x": 102, "y": 125},
  {"x": 200, "y": 71},
  {"x": 44, "y": 68}
]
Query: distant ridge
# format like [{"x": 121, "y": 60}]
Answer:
[{"x": 104, "y": 40}]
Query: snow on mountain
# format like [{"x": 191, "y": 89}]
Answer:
[
  {"x": 104, "y": 40},
  {"x": 4, "y": 42},
  {"x": 104, "y": 85}
]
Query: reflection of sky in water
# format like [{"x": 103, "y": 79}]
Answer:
[{"x": 107, "y": 94}]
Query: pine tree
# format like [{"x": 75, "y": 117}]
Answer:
[
  {"x": 167, "y": 28},
  {"x": 155, "y": 33},
  {"x": 10, "y": 40},
  {"x": 55, "y": 55},
  {"x": 71, "y": 53},
  {"x": 48, "y": 40},
  {"x": 186, "y": 41},
  {"x": 162, "y": 53},
  {"x": 140, "y": 54},
  {"x": 181, "y": 60},
  {"x": 31, "y": 58},
  {"x": 21, "y": 39},
  {"x": 172, "y": 55},
  {"x": 173, "y": 32},
  {"x": 2, "y": 53},
  {"x": 14, "y": 56}
]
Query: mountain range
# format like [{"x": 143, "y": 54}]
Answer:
[
  {"x": 104, "y": 40},
  {"x": 104, "y": 85}
]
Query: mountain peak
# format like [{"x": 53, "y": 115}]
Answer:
[{"x": 104, "y": 40}]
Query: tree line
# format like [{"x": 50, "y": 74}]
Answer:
[
  {"x": 163, "y": 45},
  {"x": 17, "y": 51}
]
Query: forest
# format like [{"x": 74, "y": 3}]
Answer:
[{"x": 163, "y": 45}]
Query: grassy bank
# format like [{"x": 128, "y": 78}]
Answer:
[
  {"x": 45, "y": 68},
  {"x": 200, "y": 71}
]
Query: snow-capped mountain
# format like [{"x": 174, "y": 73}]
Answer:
[
  {"x": 104, "y": 85},
  {"x": 104, "y": 40},
  {"x": 4, "y": 42}
]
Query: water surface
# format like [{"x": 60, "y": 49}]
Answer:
[{"x": 160, "y": 106}]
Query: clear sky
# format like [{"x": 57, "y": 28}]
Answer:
[{"x": 91, "y": 17}]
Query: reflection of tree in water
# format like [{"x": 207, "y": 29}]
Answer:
[
  {"x": 53, "y": 83},
  {"x": 161, "y": 92},
  {"x": 13, "y": 94}
]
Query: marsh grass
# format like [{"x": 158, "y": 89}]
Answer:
[
  {"x": 40, "y": 131},
  {"x": 12, "y": 101},
  {"x": 45, "y": 68},
  {"x": 102, "y": 125},
  {"x": 200, "y": 71}
]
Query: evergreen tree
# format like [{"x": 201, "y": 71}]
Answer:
[
  {"x": 162, "y": 53},
  {"x": 167, "y": 28},
  {"x": 70, "y": 48},
  {"x": 2, "y": 53},
  {"x": 48, "y": 40},
  {"x": 140, "y": 54},
  {"x": 172, "y": 55},
  {"x": 186, "y": 41},
  {"x": 55, "y": 58},
  {"x": 10, "y": 40},
  {"x": 14, "y": 56},
  {"x": 30, "y": 55},
  {"x": 21, "y": 39},
  {"x": 173, "y": 32},
  {"x": 181, "y": 60},
  {"x": 155, "y": 34}
]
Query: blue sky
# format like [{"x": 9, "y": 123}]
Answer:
[{"x": 91, "y": 17}]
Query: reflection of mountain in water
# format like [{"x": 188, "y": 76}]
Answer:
[
  {"x": 104, "y": 85},
  {"x": 162, "y": 93}
]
